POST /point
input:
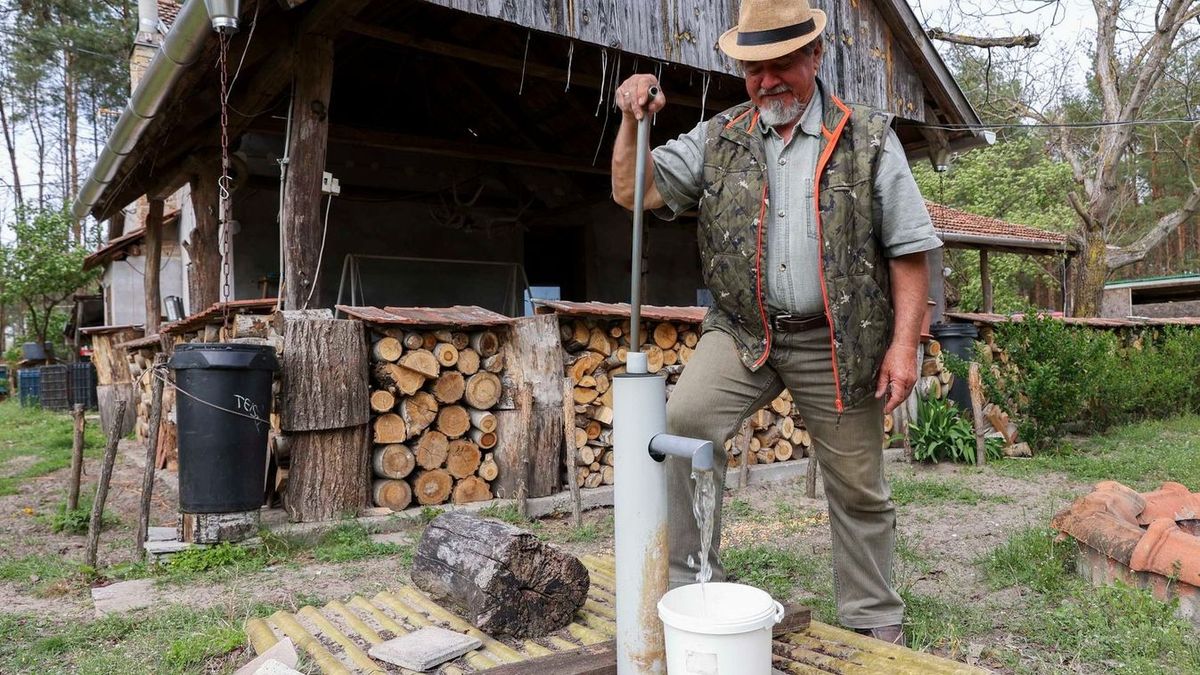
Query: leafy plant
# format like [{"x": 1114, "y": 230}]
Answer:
[
  {"x": 76, "y": 521},
  {"x": 350, "y": 542},
  {"x": 941, "y": 433},
  {"x": 196, "y": 560}
]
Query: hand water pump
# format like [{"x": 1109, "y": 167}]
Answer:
[{"x": 640, "y": 497}]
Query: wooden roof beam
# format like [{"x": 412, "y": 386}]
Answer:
[{"x": 492, "y": 60}]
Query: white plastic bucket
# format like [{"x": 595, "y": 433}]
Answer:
[{"x": 718, "y": 629}]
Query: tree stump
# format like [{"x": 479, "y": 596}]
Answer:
[{"x": 500, "y": 577}]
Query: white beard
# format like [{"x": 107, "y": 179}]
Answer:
[{"x": 774, "y": 112}]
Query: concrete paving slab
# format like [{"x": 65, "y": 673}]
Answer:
[
  {"x": 283, "y": 652},
  {"x": 397, "y": 538},
  {"x": 162, "y": 534},
  {"x": 124, "y": 596},
  {"x": 424, "y": 649},
  {"x": 273, "y": 667}
]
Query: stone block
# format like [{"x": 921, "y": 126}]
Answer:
[
  {"x": 424, "y": 649},
  {"x": 124, "y": 596}
]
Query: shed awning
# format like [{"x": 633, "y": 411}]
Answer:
[{"x": 959, "y": 229}]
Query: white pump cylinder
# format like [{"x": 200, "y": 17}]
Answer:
[{"x": 640, "y": 515}]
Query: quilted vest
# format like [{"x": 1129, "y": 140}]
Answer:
[{"x": 854, "y": 274}]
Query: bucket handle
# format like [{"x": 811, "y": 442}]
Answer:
[{"x": 779, "y": 612}]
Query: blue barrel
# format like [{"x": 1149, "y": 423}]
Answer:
[
  {"x": 222, "y": 412},
  {"x": 29, "y": 382}
]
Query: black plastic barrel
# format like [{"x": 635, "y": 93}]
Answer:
[
  {"x": 958, "y": 339},
  {"x": 222, "y": 411}
]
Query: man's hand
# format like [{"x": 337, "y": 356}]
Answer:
[
  {"x": 633, "y": 97},
  {"x": 897, "y": 375}
]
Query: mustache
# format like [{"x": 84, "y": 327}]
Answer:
[{"x": 780, "y": 89}]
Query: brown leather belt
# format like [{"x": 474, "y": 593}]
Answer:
[{"x": 788, "y": 323}]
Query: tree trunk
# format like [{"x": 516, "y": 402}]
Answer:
[
  {"x": 324, "y": 374},
  {"x": 12, "y": 158},
  {"x": 204, "y": 268},
  {"x": 329, "y": 474},
  {"x": 501, "y": 578},
  {"x": 154, "y": 222},
  {"x": 301, "y": 215},
  {"x": 1091, "y": 272}
]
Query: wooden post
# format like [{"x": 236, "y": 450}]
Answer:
[
  {"x": 76, "y": 458},
  {"x": 154, "y": 225},
  {"x": 975, "y": 387},
  {"x": 156, "y": 401},
  {"x": 571, "y": 452},
  {"x": 300, "y": 220},
  {"x": 985, "y": 281},
  {"x": 204, "y": 268},
  {"x": 533, "y": 361},
  {"x": 325, "y": 415},
  {"x": 110, "y": 457},
  {"x": 810, "y": 476}
]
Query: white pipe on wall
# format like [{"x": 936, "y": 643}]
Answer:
[
  {"x": 640, "y": 518},
  {"x": 147, "y": 17}
]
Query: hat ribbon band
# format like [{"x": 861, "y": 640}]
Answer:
[{"x": 765, "y": 37}]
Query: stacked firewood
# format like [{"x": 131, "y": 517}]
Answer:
[
  {"x": 432, "y": 427},
  {"x": 596, "y": 351},
  {"x": 936, "y": 379},
  {"x": 775, "y": 433}
]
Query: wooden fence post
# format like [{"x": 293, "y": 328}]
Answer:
[
  {"x": 76, "y": 458},
  {"x": 110, "y": 456},
  {"x": 156, "y": 399}
]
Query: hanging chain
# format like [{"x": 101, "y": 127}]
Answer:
[{"x": 223, "y": 184}]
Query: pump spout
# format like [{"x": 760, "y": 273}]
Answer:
[{"x": 700, "y": 452}]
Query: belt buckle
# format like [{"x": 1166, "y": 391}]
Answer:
[{"x": 775, "y": 322}]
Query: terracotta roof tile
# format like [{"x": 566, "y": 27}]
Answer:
[
  {"x": 1110, "y": 519},
  {"x": 167, "y": 11},
  {"x": 953, "y": 221}
]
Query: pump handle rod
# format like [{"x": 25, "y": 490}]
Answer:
[{"x": 639, "y": 209}]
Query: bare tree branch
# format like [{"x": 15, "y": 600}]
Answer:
[
  {"x": 1027, "y": 41},
  {"x": 1167, "y": 224}
]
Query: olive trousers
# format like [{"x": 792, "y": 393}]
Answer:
[{"x": 716, "y": 392}]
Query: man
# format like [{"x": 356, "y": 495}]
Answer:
[{"x": 812, "y": 239}]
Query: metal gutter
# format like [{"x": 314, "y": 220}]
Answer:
[
  {"x": 1011, "y": 242},
  {"x": 179, "y": 50}
]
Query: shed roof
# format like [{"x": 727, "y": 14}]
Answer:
[
  {"x": 1089, "y": 322},
  {"x": 881, "y": 56},
  {"x": 458, "y": 316},
  {"x": 117, "y": 248},
  {"x": 1173, "y": 281},
  {"x": 960, "y": 229},
  {"x": 621, "y": 310}
]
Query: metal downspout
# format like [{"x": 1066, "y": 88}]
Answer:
[{"x": 180, "y": 49}]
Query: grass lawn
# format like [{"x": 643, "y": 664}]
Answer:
[
  {"x": 1141, "y": 456},
  {"x": 42, "y": 436},
  {"x": 177, "y": 640}
]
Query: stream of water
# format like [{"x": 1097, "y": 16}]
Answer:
[{"x": 704, "y": 504}]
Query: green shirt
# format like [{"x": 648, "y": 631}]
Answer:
[{"x": 793, "y": 284}]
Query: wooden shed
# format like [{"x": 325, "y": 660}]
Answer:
[{"x": 469, "y": 142}]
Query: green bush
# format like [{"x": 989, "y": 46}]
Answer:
[
  {"x": 942, "y": 434},
  {"x": 1064, "y": 378}
]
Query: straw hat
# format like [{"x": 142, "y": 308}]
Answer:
[{"x": 768, "y": 29}]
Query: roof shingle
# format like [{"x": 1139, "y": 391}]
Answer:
[{"x": 952, "y": 221}]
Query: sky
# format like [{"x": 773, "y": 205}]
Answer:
[{"x": 1067, "y": 27}]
